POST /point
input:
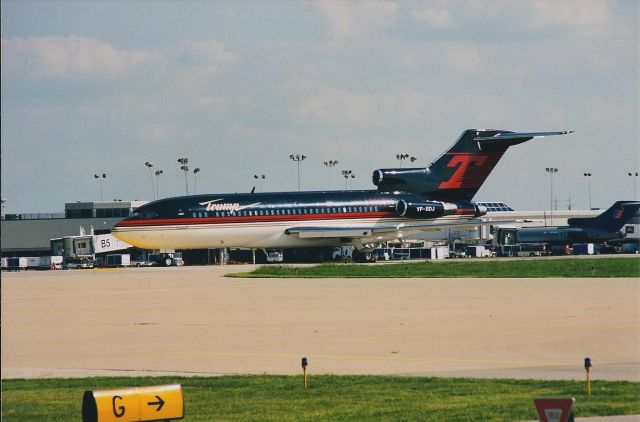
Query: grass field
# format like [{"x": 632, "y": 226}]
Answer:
[
  {"x": 569, "y": 267},
  {"x": 282, "y": 398}
]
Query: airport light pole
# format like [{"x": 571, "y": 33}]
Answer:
[
  {"x": 185, "y": 168},
  {"x": 635, "y": 177},
  {"x": 195, "y": 179},
  {"x": 158, "y": 173},
  {"x": 97, "y": 176},
  {"x": 297, "y": 158},
  {"x": 588, "y": 176},
  {"x": 150, "y": 166},
  {"x": 401, "y": 157},
  {"x": 551, "y": 171},
  {"x": 330, "y": 164},
  {"x": 259, "y": 179},
  {"x": 347, "y": 174}
]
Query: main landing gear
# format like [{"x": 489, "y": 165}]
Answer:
[{"x": 363, "y": 256}]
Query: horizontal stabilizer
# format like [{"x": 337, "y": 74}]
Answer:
[{"x": 516, "y": 137}]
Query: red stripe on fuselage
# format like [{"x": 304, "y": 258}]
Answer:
[{"x": 252, "y": 219}]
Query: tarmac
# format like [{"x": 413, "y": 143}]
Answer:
[{"x": 194, "y": 321}]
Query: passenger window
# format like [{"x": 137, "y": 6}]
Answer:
[{"x": 344, "y": 209}]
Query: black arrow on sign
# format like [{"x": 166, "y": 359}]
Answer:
[{"x": 158, "y": 403}]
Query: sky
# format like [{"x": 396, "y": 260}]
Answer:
[{"x": 102, "y": 87}]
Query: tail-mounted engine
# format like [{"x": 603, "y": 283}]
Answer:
[
  {"x": 436, "y": 209},
  {"x": 407, "y": 180},
  {"x": 426, "y": 209}
]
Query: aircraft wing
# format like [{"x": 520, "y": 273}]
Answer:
[{"x": 383, "y": 233}]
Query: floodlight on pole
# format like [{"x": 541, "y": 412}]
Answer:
[
  {"x": 634, "y": 175},
  {"x": 551, "y": 171},
  {"x": 150, "y": 166},
  {"x": 297, "y": 158},
  {"x": 260, "y": 178},
  {"x": 185, "y": 168},
  {"x": 195, "y": 179},
  {"x": 158, "y": 173},
  {"x": 401, "y": 157},
  {"x": 588, "y": 176},
  {"x": 347, "y": 174},
  {"x": 330, "y": 164},
  {"x": 100, "y": 178}
]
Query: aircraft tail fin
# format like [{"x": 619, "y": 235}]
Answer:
[
  {"x": 612, "y": 219},
  {"x": 460, "y": 171},
  {"x": 467, "y": 164}
]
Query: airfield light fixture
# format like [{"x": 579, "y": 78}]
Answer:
[
  {"x": 330, "y": 164},
  {"x": 158, "y": 173},
  {"x": 551, "y": 171},
  {"x": 401, "y": 157},
  {"x": 347, "y": 174},
  {"x": 260, "y": 178},
  {"x": 185, "y": 168},
  {"x": 149, "y": 164},
  {"x": 634, "y": 175},
  {"x": 297, "y": 158},
  {"x": 195, "y": 179},
  {"x": 100, "y": 177},
  {"x": 588, "y": 176}
]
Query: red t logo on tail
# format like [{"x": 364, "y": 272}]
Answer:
[{"x": 482, "y": 164}]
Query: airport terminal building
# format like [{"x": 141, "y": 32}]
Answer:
[{"x": 31, "y": 234}]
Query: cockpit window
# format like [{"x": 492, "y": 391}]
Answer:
[{"x": 143, "y": 215}]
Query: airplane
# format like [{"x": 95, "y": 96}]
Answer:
[
  {"x": 406, "y": 201},
  {"x": 602, "y": 228}
]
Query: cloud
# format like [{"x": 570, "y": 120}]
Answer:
[
  {"x": 207, "y": 52},
  {"x": 435, "y": 18},
  {"x": 86, "y": 58},
  {"x": 69, "y": 57},
  {"x": 336, "y": 106},
  {"x": 586, "y": 15},
  {"x": 464, "y": 58},
  {"x": 349, "y": 19}
]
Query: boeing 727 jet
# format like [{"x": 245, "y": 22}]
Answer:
[{"x": 407, "y": 201}]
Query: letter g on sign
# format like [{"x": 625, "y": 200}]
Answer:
[{"x": 117, "y": 411}]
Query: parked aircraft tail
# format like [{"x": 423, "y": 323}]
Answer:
[
  {"x": 459, "y": 172},
  {"x": 612, "y": 219}
]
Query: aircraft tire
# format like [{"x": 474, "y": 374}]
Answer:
[{"x": 359, "y": 256}]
